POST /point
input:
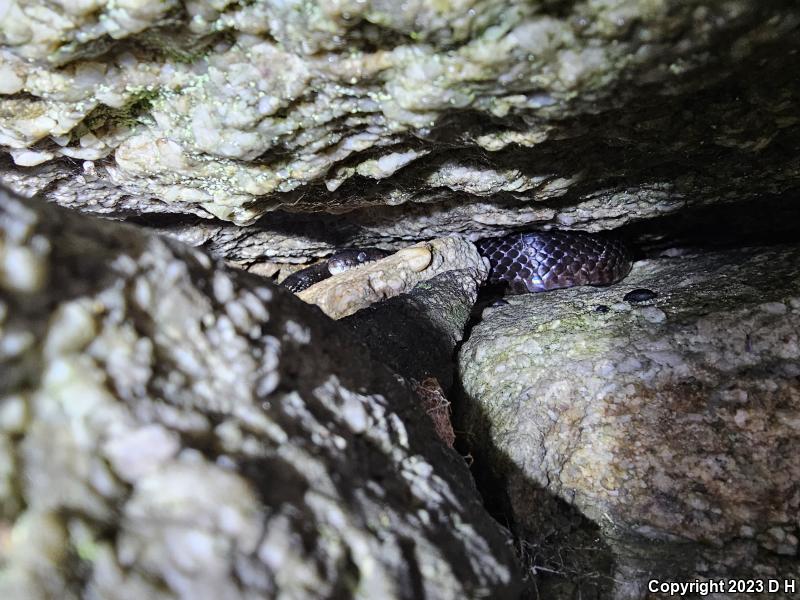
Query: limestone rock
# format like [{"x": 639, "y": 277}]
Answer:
[
  {"x": 431, "y": 118},
  {"x": 173, "y": 428},
  {"x": 271, "y": 133},
  {"x": 672, "y": 424},
  {"x": 416, "y": 333},
  {"x": 357, "y": 288}
]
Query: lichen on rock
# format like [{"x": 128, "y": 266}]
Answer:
[
  {"x": 670, "y": 423},
  {"x": 253, "y": 107},
  {"x": 174, "y": 428}
]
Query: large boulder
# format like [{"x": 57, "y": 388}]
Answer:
[
  {"x": 173, "y": 428},
  {"x": 672, "y": 424},
  {"x": 431, "y": 118}
]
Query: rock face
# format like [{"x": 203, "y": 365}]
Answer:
[
  {"x": 416, "y": 333},
  {"x": 172, "y": 428},
  {"x": 268, "y": 133},
  {"x": 673, "y": 423},
  {"x": 431, "y": 119},
  {"x": 357, "y": 288}
]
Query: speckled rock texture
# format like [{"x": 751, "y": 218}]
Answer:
[
  {"x": 429, "y": 118},
  {"x": 171, "y": 428},
  {"x": 416, "y": 333},
  {"x": 359, "y": 287},
  {"x": 672, "y": 424}
]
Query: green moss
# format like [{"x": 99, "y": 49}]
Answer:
[
  {"x": 87, "y": 550},
  {"x": 181, "y": 47},
  {"x": 106, "y": 117}
]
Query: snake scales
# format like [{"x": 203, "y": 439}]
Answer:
[{"x": 519, "y": 263}]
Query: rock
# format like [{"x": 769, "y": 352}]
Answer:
[
  {"x": 639, "y": 295},
  {"x": 416, "y": 333},
  {"x": 174, "y": 428},
  {"x": 672, "y": 427},
  {"x": 357, "y": 288},
  {"x": 270, "y": 134},
  {"x": 432, "y": 119}
]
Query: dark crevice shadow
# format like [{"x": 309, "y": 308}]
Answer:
[
  {"x": 564, "y": 555},
  {"x": 413, "y": 587},
  {"x": 766, "y": 221},
  {"x": 412, "y": 333}
]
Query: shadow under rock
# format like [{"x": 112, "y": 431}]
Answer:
[
  {"x": 416, "y": 334},
  {"x": 563, "y": 554}
]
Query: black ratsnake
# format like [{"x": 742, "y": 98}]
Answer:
[{"x": 519, "y": 263}]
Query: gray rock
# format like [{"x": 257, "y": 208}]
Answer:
[
  {"x": 431, "y": 121},
  {"x": 173, "y": 428},
  {"x": 416, "y": 333},
  {"x": 345, "y": 293},
  {"x": 673, "y": 427},
  {"x": 269, "y": 133}
]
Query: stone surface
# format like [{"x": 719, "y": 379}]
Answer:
[
  {"x": 357, "y": 288},
  {"x": 173, "y": 428},
  {"x": 572, "y": 114},
  {"x": 672, "y": 424},
  {"x": 272, "y": 133},
  {"x": 416, "y": 333}
]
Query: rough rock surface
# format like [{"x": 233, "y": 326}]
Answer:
[
  {"x": 672, "y": 424},
  {"x": 357, "y": 288},
  {"x": 172, "y": 428},
  {"x": 272, "y": 132},
  {"x": 474, "y": 116},
  {"x": 416, "y": 333}
]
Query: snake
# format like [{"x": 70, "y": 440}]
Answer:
[
  {"x": 340, "y": 262},
  {"x": 519, "y": 263},
  {"x": 549, "y": 260}
]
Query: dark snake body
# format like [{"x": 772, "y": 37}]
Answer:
[
  {"x": 338, "y": 263},
  {"x": 522, "y": 263},
  {"x": 519, "y": 263}
]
